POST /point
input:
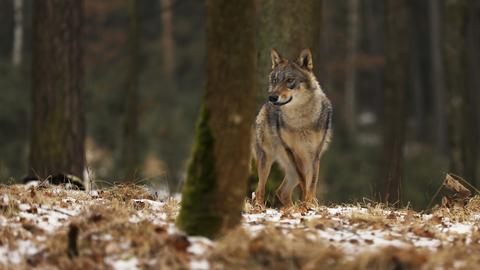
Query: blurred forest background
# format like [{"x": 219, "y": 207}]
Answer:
[{"x": 144, "y": 77}]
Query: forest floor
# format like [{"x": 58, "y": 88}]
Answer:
[{"x": 126, "y": 227}]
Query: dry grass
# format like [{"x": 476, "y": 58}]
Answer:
[{"x": 128, "y": 222}]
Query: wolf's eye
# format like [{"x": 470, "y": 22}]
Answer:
[{"x": 290, "y": 80}]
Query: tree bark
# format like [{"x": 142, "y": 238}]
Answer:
[
  {"x": 437, "y": 75},
  {"x": 461, "y": 121},
  {"x": 167, "y": 40},
  {"x": 214, "y": 192},
  {"x": 396, "y": 49},
  {"x": 473, "y": 56},
  {"x": 58, "y": 118},
  {"x": 130, "y": 156},
  {"x": 351, "y": 70},
  {"x": 17, "y": 33},
  {"x": 288, "y": 27}
]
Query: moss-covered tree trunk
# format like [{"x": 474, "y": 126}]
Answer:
[
  {"x": 462, "y": 138},
  {"x": 214, "y": 192},
  {"x": 288, "y": 26},
  {"x": 58, "y": 119},
  {"x": 130, "y": 158},
  {"x": 396, "y": 74}
]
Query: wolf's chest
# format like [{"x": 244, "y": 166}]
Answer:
[{"x": 306, "y": 141}]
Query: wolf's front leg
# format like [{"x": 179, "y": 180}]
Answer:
[
  {"x": 311, "y": 196},
  {"x": 264, "y": 164}
]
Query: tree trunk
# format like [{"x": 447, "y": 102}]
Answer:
[
  {"x": 130, "y": 159},
  {"x": 17, "y": 33},
  {"x": 167, "y": 40},
  {"x": 289, "y": 27},
  {"x": 351, "y": 70},
  {"x": 437, "y": 74},
  {"x": 396, "y": 49},
  {"x": 461, "y": 123},
  {"x": 214, "y": 192},
  {"x": 374, "y": 25},
  {"x": 58, "y": 119},
  {"x": 473, "y": 56}
]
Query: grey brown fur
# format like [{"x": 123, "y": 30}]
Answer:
[{"x": 293, "y": 128}]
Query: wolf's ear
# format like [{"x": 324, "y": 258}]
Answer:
[
  {"x": 305, "y": 59},
  {"x": 276, "y": 58}
]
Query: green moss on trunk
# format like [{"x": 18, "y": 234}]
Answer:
[{"x": 197, "y": 216}]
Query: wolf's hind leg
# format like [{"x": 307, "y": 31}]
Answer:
[
  {"x": 284, "y": 191},
  {"x": 264, "y": 163}
]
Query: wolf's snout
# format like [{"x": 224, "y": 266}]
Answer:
[{"x": 273, "y": 98}]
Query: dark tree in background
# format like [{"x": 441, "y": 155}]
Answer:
[
  {"x": 214, "y": 192},
  {"x": 289, "y": 27},
  {"x": 396, "y": 70},
  {"x": 130, "y": 156},
  {"x": 351, "y": 74},
  {"x": 462, "y": 138},
  {"x": 437, "y": 75},
  {"x": 58, "y": 120},
  {"x": 17, "y": 45}
]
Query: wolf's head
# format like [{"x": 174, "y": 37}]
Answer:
[{"x": 291, "y": 81}]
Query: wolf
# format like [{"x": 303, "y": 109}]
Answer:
[{"x": 293, "y": 128}]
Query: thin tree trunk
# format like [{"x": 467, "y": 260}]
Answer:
[
  {"x": 461, "y": 123},
  {"x": 394, "y": 100},
  {"x": 167, "y": 39},
  {"x": 417, "y": 88},
  {"x": 374, "y": 25},
  {"x": 216, "y": 184},
  {"x": 17, "y": 33},
  {"x": 130, "y": 158},
  {"x": 437, "y": 75},
  {"x": 351, "y": 70},
  {"x": 58, "y": 119}
]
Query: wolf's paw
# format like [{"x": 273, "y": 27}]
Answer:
[
  {"x": 311, "y": 203},
  {"x": 259, "y": 205},
  {"x": 258, "y": 202}
]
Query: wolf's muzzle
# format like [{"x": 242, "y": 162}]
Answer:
[{"x": 280, "y": 103}]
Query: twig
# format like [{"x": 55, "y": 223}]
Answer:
[{"x": 435, "y": 196}]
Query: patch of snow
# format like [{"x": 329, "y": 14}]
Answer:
[
  {"x": 5, "y": 199},
  {"x": 127, "y": 264},
  {"x": 24, "y": 248},
  {"x": 199, "y": 245},
  {"x": 30, "y": 184},
  {"x": 45, "y": 218},
  {"x": 155, "y": 205},
  {"x": 199, "y": 264},
  {"x": 460, "y": 228}
]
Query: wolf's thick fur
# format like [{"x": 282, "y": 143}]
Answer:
[{"x": 293, "y": 128}]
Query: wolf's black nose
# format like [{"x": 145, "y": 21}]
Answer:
[{"x": 273, "y": 98}]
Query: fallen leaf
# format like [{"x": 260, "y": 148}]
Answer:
[{"x": 456, "y": 187}]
